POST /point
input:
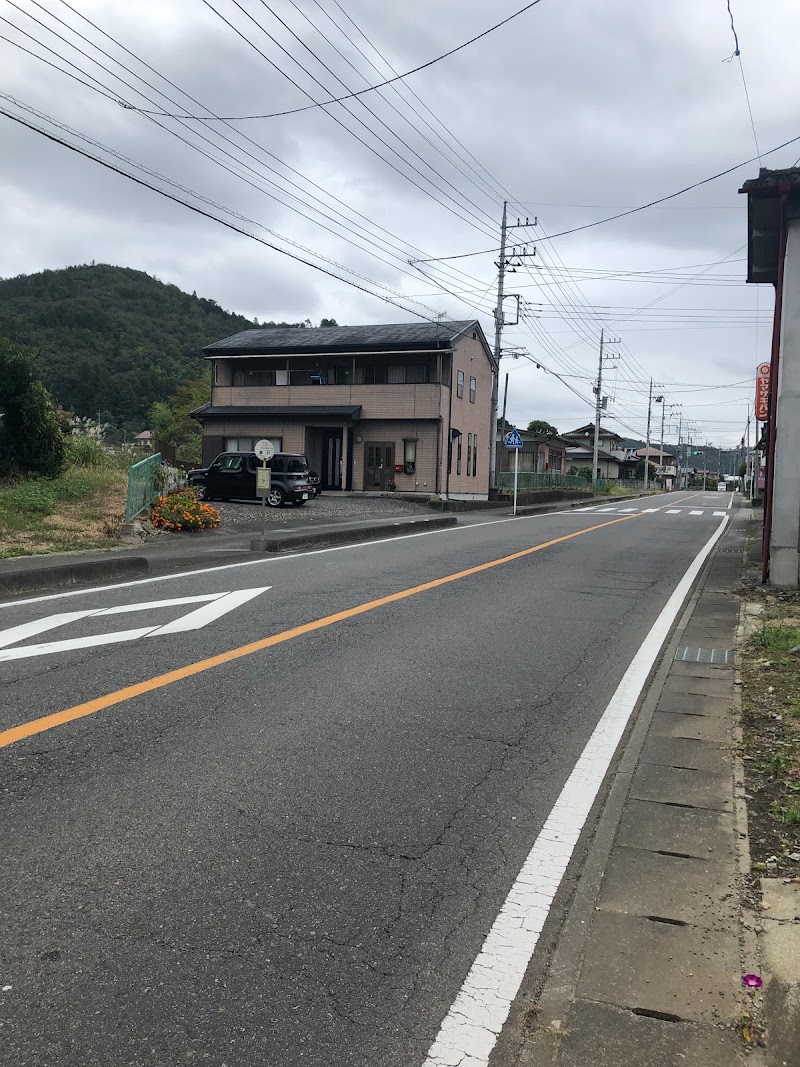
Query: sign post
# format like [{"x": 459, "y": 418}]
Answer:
[
  {"x": 265, "y": 450},
  {"x": 514, "y": 443}
]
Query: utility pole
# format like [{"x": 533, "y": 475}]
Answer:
[
  {"x": 647, "y": 442},
  {"x": 598, "y": 391},
  {"x": 505, "y": 402},
  {"x": 705, "y": 465},
  {"x": 679, "y": 478},
  {"x": 499, "y": 321},
  {"x": 750, "y": 464}
]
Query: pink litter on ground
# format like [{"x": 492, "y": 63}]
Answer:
[{"x": 752, "y": 981}]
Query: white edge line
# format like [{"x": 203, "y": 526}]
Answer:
[
  {"x": 471, "y": 1027},
  {"x": 275, "y": 559}
]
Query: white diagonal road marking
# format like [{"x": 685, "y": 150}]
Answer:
[{"x": 214, "y": 606}]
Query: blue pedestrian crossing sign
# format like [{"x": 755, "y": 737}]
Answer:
[{"x": 513, "y": 439}]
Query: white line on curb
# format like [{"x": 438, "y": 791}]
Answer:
[{"x": 474, "y": 1022}]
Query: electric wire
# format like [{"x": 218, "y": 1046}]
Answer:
[{"x": 361, "y": 92}]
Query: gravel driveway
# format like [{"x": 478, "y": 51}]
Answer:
[{"x": 327, "y": 508}]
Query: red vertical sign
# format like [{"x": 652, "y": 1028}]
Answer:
[{"x": 762, "y": 391}]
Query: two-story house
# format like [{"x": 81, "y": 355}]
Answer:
[
  {"x": 610, "y": 454},
  {"x": 372, "y": 407}
]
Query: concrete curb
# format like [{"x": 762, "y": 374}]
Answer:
[
  {"x": 77, "y": 573},
  {"x": 287, "y": 540}
]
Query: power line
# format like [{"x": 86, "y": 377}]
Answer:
[
  {"x": 634, "y": 210},
  {"x": 207, "y": 214},
  {"x": 349, "y": 96},
  {"x": 370, "y": 148},
  {"x": 399, "y": 254}
]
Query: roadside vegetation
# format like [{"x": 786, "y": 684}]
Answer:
[
  {"x": 83, "y": 507},
  {"x": 58, "y": 490},
  {"x": 770, "y": 667}
]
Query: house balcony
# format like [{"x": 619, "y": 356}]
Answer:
[{"x": 406, "y": 401}]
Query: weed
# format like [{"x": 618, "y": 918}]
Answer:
[
  {"x": 34, "y": 497},
  {"x": 788, "y": 814},
  {"x": 776, "y": 638},
  {"x": 112, "y": 527},
  {"x": 777, "y": 764}
]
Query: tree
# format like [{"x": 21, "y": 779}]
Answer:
[
  {"x": 31, "y": 438},
  {"x": 639, "y": 471},
  {"x": 171, "y": 422},
  {"x": 328, "y": 322},
  {"x": 540, "y": 426}
]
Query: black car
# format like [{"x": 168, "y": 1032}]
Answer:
[{"x": 232, "y": 476}]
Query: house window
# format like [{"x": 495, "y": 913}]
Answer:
[
  {"x": 458, "y": 455},
  {"x": 460, "y": 384},
  {"x": 410, "y": 455},
  {"x": 253, "y": 377},
  {"x": 407, "y": 373},
  {"x": 370, "y": 374},
  {"x": 247, "y": 444},
  {"x": 469, "y": 454},
  {"x": 473, "y": 388},
  {"x": 475, "y": 456}
]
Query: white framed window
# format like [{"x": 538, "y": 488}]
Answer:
[
  {"x": 410, "y": 455},
  {"x": 460, "y": 383}
]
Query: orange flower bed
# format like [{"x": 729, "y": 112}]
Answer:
[{"x": 183, "y": 511}]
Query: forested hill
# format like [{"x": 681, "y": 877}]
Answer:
[{"x": 112, "y": 339}]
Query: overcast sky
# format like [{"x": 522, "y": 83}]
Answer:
[{"x": 573, "y": 111}]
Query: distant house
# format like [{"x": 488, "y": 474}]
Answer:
[
  {"x": 541, "y": 453},
  {"x": 666, "y": 468},
  {"x": 610, "y": 455},
  {"x": 372, "y": 407},
  {"x": 144, "y": 439}
]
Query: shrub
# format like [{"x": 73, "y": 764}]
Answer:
[
  {"x": 183, "y": 511},
  {"x": 86, "y": 452},
  {"x": 31, "y": 439}
]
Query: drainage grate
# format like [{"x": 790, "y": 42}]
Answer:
[{"x": 718, "y": 657}]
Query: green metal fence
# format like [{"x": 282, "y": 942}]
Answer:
[
  {"x": 548, "y": 480},
  {"x": 144, "y": 484}
]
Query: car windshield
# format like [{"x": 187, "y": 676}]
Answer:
[{"x": 297, "y": 465}]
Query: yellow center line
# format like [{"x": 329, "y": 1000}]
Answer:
[{"x": 60, "y": 718}]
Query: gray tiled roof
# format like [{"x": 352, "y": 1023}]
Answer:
[
  {"x": 305, "y": 410},
  {"x": 410, "y": 335}
]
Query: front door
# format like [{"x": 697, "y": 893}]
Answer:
[
  {"x": 378, "y": 466},
  {"x": 331, "y": 473}
]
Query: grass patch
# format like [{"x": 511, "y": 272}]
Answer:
[
  {"x": 74, "y": 511},
  {"x": 776, "y": 637},
  {"x": 789, "y": 815},
  {"x": 771, "y": 736}
]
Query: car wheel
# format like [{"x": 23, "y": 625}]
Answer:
[{"x": 276, "y": 497}]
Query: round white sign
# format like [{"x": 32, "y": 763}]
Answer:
[{"x": 264, "y": 449}]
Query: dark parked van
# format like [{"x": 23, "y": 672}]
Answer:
[{"x": 232, "y": 476}]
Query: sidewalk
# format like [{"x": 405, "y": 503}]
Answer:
[{"x": 647, "y": 970}]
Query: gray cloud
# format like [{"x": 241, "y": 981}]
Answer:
[{"x": 576, "y": 109}]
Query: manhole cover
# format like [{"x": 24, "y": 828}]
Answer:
[{"x": 717, "y": 657}]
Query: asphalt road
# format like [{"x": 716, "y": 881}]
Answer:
[{"x": 294, "y": 854}]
